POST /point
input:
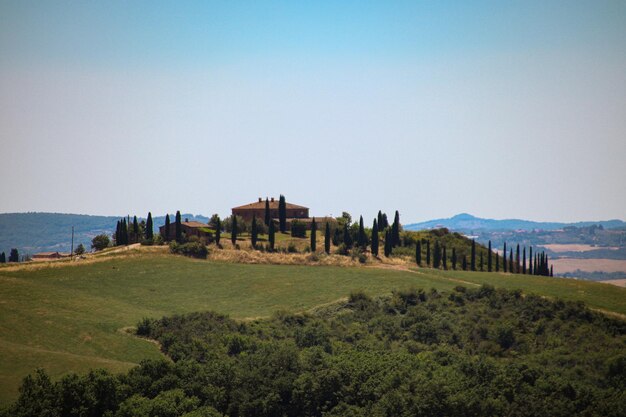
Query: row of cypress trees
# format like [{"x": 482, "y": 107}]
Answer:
[
  {"x": 14, "y": 256},
  {"x": 126, "y": 233}
]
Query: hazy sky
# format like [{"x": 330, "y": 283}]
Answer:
[{"x": 501, "y": 109}]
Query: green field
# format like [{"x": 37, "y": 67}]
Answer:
[{"x": 71, "y": 318}]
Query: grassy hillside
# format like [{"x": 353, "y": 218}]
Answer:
[{"x": 70, "y": 318}]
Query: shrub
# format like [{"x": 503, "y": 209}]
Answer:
[
  {"x": 192, "y": 249},
  {"x": 291, "y": 248},
  {"x": 342, "y": 249},
  {"x": 298, "y": 229}
]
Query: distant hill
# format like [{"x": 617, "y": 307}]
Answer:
[
  {"x": 466, "y": 222},
  {"x": 43, "y": 232}
]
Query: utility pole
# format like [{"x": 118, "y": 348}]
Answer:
[{"x": 72, "y": 252}]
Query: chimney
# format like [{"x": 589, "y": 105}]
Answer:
[
  {"x": 260, "y": 199},
  {"x": 272, "y": 199}
]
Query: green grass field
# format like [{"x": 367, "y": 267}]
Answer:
[{"x": 71, "y": 318}]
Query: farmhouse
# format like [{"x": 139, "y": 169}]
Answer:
[
  {"x": 188, "y": 228},
  {"x": 294, "y": 212}
]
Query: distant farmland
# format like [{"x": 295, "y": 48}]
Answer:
[{"x": 564, "y": 265}]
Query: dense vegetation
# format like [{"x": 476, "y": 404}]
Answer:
[{"x": 467, "y": 352}]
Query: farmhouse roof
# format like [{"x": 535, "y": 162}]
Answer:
[
  {"x": 261, "y": 205},
  {"x": 194, "y": 224}
]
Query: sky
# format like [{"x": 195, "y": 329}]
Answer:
[{"x": 503, "y": 109}]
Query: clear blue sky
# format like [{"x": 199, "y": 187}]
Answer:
[{"x": 501, "y": 109}]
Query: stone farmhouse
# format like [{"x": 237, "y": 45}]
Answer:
[
  {"x": 294, "y": 212},
  {"x": 188, "y": 228}
]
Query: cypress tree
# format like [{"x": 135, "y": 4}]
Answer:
[
  {"x": 380, "y": 220},
  {"x": 135, "y": 229},
  {"x": 14, "y": 255},
  {"x": 124, "y": 231},
  {"x": 444, "y": 258},
  {"x": 497, "y": 262},
  {"x": 464, "y": 263},
  {"x": 428, "y": 253},
  {"x": 395, "y": 230},
  {"x": 149, "y": 228},
  {"x": 179, "y": 229},
  {"x": 347, "y": 237},
  {"x": 117, "y": 233},
  {"x": 272, "y": 236},
  {"x": 481, "y": 262},
  {"x": 453, "y": 258},
  {"x": 362, "y": 239},
  {"x": 387, "y": 243},
  {"x": 418, "y": 253},
  {"x": 218, "y": 231},
  {"x": 489, "y": 264},
  {"x": 313, "y": 235},
  {"x": 504, "y": 258},
  {"x": 524, "y": 261},
  {"x": 167, "y": 228},
  {"x": 517, "y": 260},
  {"x": 375, "y": 238},
  {"x": 268, "y": 218},
  {"x": 551, "y": 270},
  {"x": 473, "y": 258},
  {"x": 437, "y": 255},
  {"x": 530, "y": 261},
  {"x": 254, "y": 234},
  {"x": 385, "y": 222},
  {"x": 511, "y": 270},
  {"x": 3, "y": 258},
  {"x": 233, "y": 230},
  {"x": 327, "y": 238},
  {"x": 282, "y": 214}
]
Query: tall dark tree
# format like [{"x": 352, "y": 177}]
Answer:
[
  {"x": 489, "y": 263},
  {"x": 362, "y": 239},
  {"x": 473, "y": 258},
  {"x": 444, "y": 258},
  {"x": 497, "y": 262},
  {"x": 384, "y": 223},
  {"x": 418, "y": 253},
  {"x": 313, "y": 235},
  {"x": 379, "y": 219},
  {"x": 327, "y": 238},
  {"x": 504, "y": 265},
  {"x": 511, "y": 268},
  {"x": 282, "y": 214},
  {"x": 428, "y": 253},
  {"x": 271, "y": 236},
  {"x": 437, "y": 255},
  {"x": 178, "y": 228},
  {"x": 375, "y": 238},
  {"x": 166, "y": 237},
  {"x": 3, "y": 258},
  {"x": 524, "y": 261},
  {"x": 551, "y": 270},
  {"x": 530, "y": 261},
  {"x": 464, "y": 263},
  {"x": 149, "y": 227},
  {"x": 395, "y": 230},
  {"x": 124, "y": 232},
  {"x": 14, "y": 255},
  {"x": 135, "y": 229},
  {"x": 453, "y": 258},
  {"x": 347, "y": 237},
  {"x": 233, "y": 230},
  {"x": 517, "y": 260},
  {"x": 268, "y": 218},
  {"x": 481, "y": 262},
  {"x": 254, "y": 232},
  {"x": 388, "y": 245}
]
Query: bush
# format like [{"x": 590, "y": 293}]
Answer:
[
  {"x": 298, "y": 229},
  {"x": 80, "y": 249},
  {"x": 192, "y": 249},
  {"x": 342, "y": 249},
  {"x": 291, "y": 248}
]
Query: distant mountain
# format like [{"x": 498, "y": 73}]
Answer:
[
  {"x": 466, "y": 222},
  {"x": 48, "y": 232}
]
